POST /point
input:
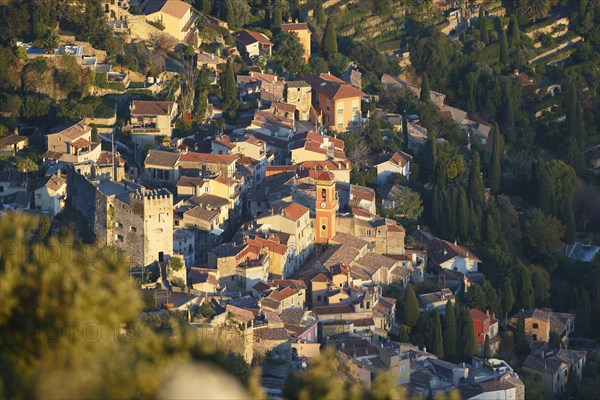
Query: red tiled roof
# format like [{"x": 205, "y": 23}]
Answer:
[
  {"x": 476, "y": 314},
  {"x": 202, "y": 213},
  {"x": 240, "y": 314},
  {"x": 190, "y": 181},
  {"x": 161, "y": 158},
  {"x": 248, "y": 37},
  {"x": 280, "y": 295},
  {"x": 335, "y": 309},
  {"x": 176, "y": 8},
  {"x": 225, "y": 180},
  {"x": 11, "y": 140},
  {"x": 333, "y": 87},
  {"x": 269, "y": 244},
  {"x": 395, "y": 228},
  {"x": 142, "y": 107},
  {"x": 268, "y": 333},
  {"x": 320, "y": 278},
  {"x": 207, "y": 158},
  {"x": 298, "y": 26},
  {"x": 295, "y": 211},
  {"x": 331, "y": 165},
  {"x": 106, "y": 158},
  {"x": 71, "y": 130},
  {"x": 80, "y": 143},
  {"x": 284, "y": 107},
  {"x": 325, "y": 176}
]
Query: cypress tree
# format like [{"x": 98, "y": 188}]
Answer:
[
  {"x": 546, "y": 192},
  {"x": 467, "y": 346},
  {"x": 450, "y": 335},
  {"x": 437, "y": 213},
  {"x": 521, "y": 344},
  {"x": 410, "y": 307},
  {"x": 475, "y": 216},
  {"x": 508, "y": 298},
  {"x": 230, "y": 100},
  {"x": 450, "y": 214},
  {"x": 495, "y": 173},
  {"x": 575, "y": 130},
  {"x": 205, "y": 6},
  {"x": 576, "y": 134},
  {"x": 329, "y": 45},
  {"x": 514, "y": 34},
  {"x": 482, "y": 24},
  {"x": 470, "y": 344},
  {"x": 430, "y": 155},
  {"x": 319, "y": 13},
  {"x": 525, "y": 287},
  {"x": 582, "y": 7},
  {"x": 438, "y": 344},
  {"x": 230, "y": 15},
  {"x": 404, "y": 337},
  {"x": 277, "y": 21},
  {"x": 487, "y": 349},
  {"x": 568, "y": 220},
  {"x": 462, "y": 217},
  {"x": 491, "y": 237},
  {"x": 424, "y": 95},
  {"x": 503, "y": 49},
  {"x": 475, "y": 182}
]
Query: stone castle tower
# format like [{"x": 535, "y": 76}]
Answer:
[{"x": 139, "y": 221}]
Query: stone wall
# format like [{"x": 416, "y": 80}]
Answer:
[{"x": 81, "y": 195}]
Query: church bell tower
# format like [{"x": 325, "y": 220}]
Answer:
[{"x": 326, "y": 207}]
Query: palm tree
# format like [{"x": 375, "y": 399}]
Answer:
[{"x": 537, "y": 9}]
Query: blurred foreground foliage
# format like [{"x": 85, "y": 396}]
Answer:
[{"x": 71, "y": 328}]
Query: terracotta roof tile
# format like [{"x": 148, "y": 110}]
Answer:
[
  {"x": 192, "y": 157},
  {"x": 143, "y": 107},
  {"x": 106, "y": 158},
  {"x": 295, "y": 211},
  {"x": 190, "y": 181},
  {"x": 248, "y": 37},
  {"x": 72, "y": 130},
  {"x": 161, "y": 158},
  {"x": 298, "y": 26}
]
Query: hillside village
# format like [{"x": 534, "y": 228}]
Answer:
[{"x": 284, "y": 187}]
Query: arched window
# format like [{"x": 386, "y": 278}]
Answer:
[{"x": 323, "y": 193}]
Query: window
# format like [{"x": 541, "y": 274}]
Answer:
[
  {"x": 340, "y": 111},
  {"x": 368, "y": 232},
  {"x": 318, "y": 298},
  {"x": 535, "y": 326},
  {"x": 324, "y": 227},
  {"x": 119, "y": 225},
  {"x": 323, "y": 193},
  {"x": 120, "y": 238},
  {"x": 340, "y": 125},
  {"x": 133, "y": 229},
  {"x": 1, "y": 189}
]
